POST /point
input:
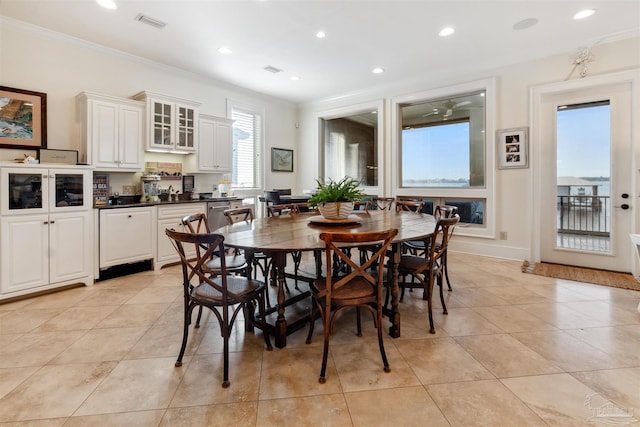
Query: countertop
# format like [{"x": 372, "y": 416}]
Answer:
[{"x": 177, "y": 202}]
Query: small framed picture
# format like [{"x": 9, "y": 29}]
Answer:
[
  {"x": 513, "y": 150},
  {"x": 281, "y": 160}
]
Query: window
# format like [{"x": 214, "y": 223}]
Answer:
[
  {"x": 443, "y": 142},
  {"x": 443, "y": 145},
  {"x": 350, "y": 148},
  {"x": 439, "y": 155},
  {"x": 350, "y": 144},
  {"x": 247, "y": 146}
]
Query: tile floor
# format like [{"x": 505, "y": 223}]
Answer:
[{"x": 515, "y": 350}]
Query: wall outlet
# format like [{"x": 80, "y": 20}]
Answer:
[{"x": 503, "y": 235}]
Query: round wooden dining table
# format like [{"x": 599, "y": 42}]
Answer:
[{"x": 278, "y": 235}]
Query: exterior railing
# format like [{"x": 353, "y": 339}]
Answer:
[{"x": 587, "y": 215}]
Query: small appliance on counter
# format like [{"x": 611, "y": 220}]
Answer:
[{"x": 150, "y": 187}]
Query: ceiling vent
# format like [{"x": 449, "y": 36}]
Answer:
[
  {"x": 272, "y": 69},
  {"x": 150, "y": 21}
]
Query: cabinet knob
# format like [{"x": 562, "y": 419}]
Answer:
[
  {"x": 128, "y": 216},
  {"x": 52, "y": 222},
  {"x": 46, "y": 222}
]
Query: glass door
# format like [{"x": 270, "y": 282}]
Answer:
[
  {"x": 586, "y": 177},
  {"x": 69, "y": 189},
  {"x": 23, "y": 190}
]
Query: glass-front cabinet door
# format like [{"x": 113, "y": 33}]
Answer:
[
  {"x": 186, "y": 128},
  {"x": 162, "y": 125},
  {"x": 40, "y": 190},
  {"x": 24, "y": 190}
]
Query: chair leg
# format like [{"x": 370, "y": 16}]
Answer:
[
  {"x": 263, "y": 320},
  {"x": 446, "y": 270},
  {"x": 432, "y": 328},
  {"x": 441, "y": 286},
  {"x": 197, "y": 325},
  {"x": 188, "y": 309},
  {"x": 378, "y": 322},
  {"x": 358, "y": 322},
  {"x": 312, "y": 322},
  {"x": 225, "y": 350},
  {"x": 325, "y": 351}
]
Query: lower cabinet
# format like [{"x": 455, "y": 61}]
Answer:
[
  {"x": 171, "y": 217},
  {"x": 45, "y": 251},
  {"x": 127, "y": 235}
]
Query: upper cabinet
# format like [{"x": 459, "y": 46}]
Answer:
[
  {"x": 113, "y": 131},
  {"x": 171, "y": 123},
  {"x": 216, "y": 145}
]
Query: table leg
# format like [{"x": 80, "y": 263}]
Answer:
[
  {"x": 279, "y": 261},
  {"x": 394, "y": 314}
]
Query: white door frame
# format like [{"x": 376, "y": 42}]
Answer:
[{"x": 536, "y": 96}]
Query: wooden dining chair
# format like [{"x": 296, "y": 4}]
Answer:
[
  {"x": 384, "y": 203},
  {"x": 407, "y": 205},
  {"x": 428, "y": 268},
  {"x": 417, "y": 247},
  {"x": 282, "y": 209},
  {"x": 358, "y": 288},
  {"x": 260, "y": 260},
  {"x": 224, "y": 294},
  {"x": 235, "y": 262}
]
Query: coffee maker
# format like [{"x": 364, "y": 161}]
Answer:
[{"x": 150, "y": 187}]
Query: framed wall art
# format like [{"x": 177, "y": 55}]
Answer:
[
  {"x": 23, "y": 118},
  {"x": 513, "y": 152},
  {"x": 281, "y": 160}
]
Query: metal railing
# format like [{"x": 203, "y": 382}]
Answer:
[{"x": 589, "y": 215}]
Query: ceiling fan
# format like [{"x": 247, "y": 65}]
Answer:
[{"x": 450, "y": 106}]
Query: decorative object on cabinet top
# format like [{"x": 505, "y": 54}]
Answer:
[{"x": 166, "y": 170}]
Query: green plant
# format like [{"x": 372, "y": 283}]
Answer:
[{"x": 345, "y": 190}]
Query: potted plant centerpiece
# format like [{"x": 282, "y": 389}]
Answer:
[{"x": 335, "y": 198}]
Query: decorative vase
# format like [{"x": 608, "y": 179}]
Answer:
[{"x": 336, "y": 210}]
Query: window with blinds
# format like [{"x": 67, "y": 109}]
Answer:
[{"x": 246, "y": 148}]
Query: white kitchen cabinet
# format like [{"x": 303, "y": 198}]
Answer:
[
  {"x": 45, "y": 250},
  {"x": 171, "y": 217},
  {"x": 113, "y": 131},
  {"x": 171, "y": 123},
  {"x": 45, "y": 228},
  {"x": 127, "y": 235},
  {"x": 215, "y": 149}
]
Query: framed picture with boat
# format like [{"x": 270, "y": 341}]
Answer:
[
  {"x": 23, "y": 118},
  {"x": 513, "y": 150}
]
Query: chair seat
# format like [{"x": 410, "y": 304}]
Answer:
[
  {"x": 233, "y": 262},
  {"x": 236, "y": 285},
  {"x": 412, "y": 263},
  {"x": 355, "y": 289}
]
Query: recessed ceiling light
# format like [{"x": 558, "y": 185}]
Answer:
[
  {"x": 525, "y": 23},
  {"x": 294, "y": 78},
  {"x": 321, "y": 34},
  {"x": 107, "y": 4},
  {"x": 224, "y": 50},
  {"x": 377, "y": 70},
  {"x": 584, "y": 14},
  {"x": 447, "y": 31}
]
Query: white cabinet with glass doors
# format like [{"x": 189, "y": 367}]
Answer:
[
  {"x": 171, "y": 123},
  {"x": 45, "y": 228},
  {"x": 113, "y": 131}
]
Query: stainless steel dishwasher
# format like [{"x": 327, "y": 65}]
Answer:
[{"x": 215, "y": 213}]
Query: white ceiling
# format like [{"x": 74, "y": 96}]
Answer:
[{"x": 400, "y": 36}]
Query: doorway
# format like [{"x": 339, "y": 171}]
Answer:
[{"x": 584, "y": 192}]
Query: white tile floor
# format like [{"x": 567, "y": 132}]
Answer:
[{"x": 515, "y": 349}]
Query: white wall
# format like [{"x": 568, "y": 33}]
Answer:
[
  {"x": 41, "y": 61},
  {"x": 513, "y": 187},
  {"x": 60, "y": 66}
]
